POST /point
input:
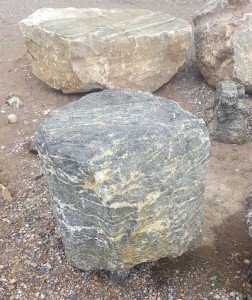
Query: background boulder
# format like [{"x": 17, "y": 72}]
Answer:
[
  {"x": 223, "y": 41},
  {"x": 78, "y": 50}
]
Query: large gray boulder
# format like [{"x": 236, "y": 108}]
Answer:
[
  {"x": 78, "y": 50},
  {"x": 223, "y": 41},
  {"x": 126, "y": 174}
]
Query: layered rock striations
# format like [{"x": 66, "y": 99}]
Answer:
[
  {"x": 78, "y": 50},
  {"x": 126, "y": 174}
]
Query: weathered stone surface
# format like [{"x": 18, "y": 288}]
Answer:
[
  {"x": 229, "y": 122},
  {"x": 76, "y": 50},
  {"x": 126, "y": 174},
  {"x": 249, "y": 214},
  {"x": 223, "y": 41}
]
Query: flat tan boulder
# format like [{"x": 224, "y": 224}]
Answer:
[
  {"x": 78, "y": 50},
  {"x": 223, "y": 41}
]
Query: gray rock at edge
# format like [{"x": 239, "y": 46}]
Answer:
[
  {"x": 223, "y": 41},
  {"x": 126, "y": 172},
  {"x": 249, "y": 212},
  {"x": 229, "y": 123},
  {"x": 78, "y": 50}
]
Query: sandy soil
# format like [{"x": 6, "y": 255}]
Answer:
[{"x": 32, "y": 261}]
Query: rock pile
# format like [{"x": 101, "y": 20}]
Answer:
[{"x": 126, "y": 177}]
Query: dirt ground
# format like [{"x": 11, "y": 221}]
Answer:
[{"x": 32, "y": 261}]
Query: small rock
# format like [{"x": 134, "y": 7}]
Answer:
[
  {"x": 13, "y": 281},
  {"x": 72, "y": 296},
  {"x": 119, "y": 276},
  {"x": 3, "y": 147},
  {"x": 33, "y": 147},
  {"x": 46, "y": 112},
  {"x": 85, "y": 287},
  {"x": 26, "y": 122},
  {"x": 246, "y": 262},
  {"x": 5, "y": 193},
  {"x": 12, "y": 118},
  {"x": 217, "y": 297},
  {"x": 26, "y": 144},
  {"x": 232, "y": 294},
  {"x": 14, "y": 102},
  {"x": 26, "y": 110},
  {"x": 48, "y": 266},
  {"x": 34, "y": 265},
  {"x": 43, "y": 268}
]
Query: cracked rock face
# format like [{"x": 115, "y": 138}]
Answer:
[
  {"x": 78, "y": 50},
  {"x": 126, "y": 174},
  {"x": 223, "y": 41}
]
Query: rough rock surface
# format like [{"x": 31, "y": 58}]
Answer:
[
  {"x": 229, "y": 123},
  {"x": 126, "y": 177},
  {"x": 223, "y": 41},
  {"x": 249, "y": 214},
  {"x": 76, "y": 50}
]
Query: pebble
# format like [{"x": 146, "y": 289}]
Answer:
[
  {"x": 72, "y": 296},
  {"x": 85, "y": 287},
  {"x": 217, "y": 297},
  {"x": 12, "y": 118},
  {"x": 5, "y": 193},
  {"x": 33, "y": 147},
  {"x": 26, "y": 110},
  {"x": 246, "y": 261},
  {"x": 14, "y": 102},
  {"x": 34, "y": 265},
  {"x": 3, "y": 147},
  {"x": 26, "y": 122},
  {"x": 48, "y": 266},
  {"x": 232, "y": 294},
  {"x": 13, "y": 281},
  {"x": 43, "y": 269},
  {"x": 47, "y": 111}
]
